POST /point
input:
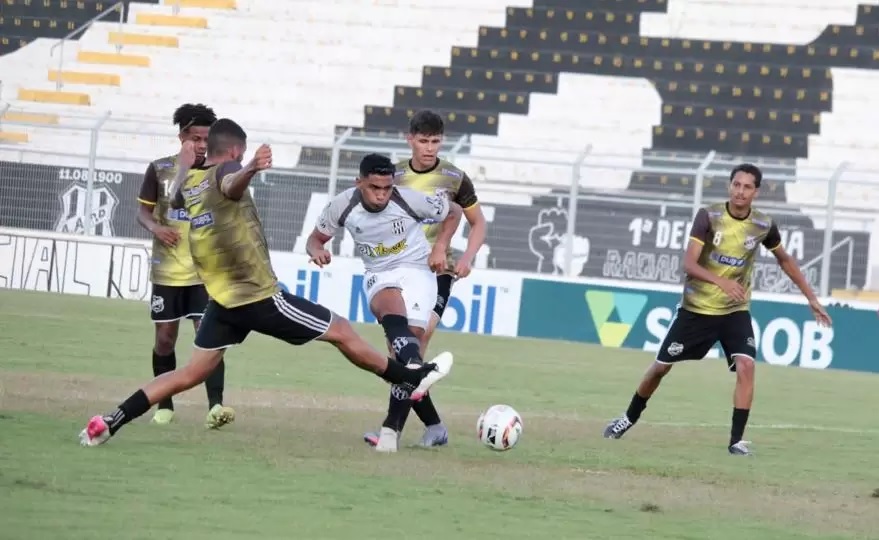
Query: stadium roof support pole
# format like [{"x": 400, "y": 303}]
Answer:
[
  {"x": 89, "y": 229},
  {"x": 700, "y": 181},
  {"x": 334, "y": 161},
  {"x": 572, "y": 206},
  {"x": 3, "y": 108},
  {"x": 827, "y": 248}
]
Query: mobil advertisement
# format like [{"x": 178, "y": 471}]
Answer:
[
  {"x": 638, "y": 318},
  {"x": 485, "y": 302}
]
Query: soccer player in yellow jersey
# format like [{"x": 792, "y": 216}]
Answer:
[
  {"x": 231, "y": 255},
  {"x": 724, "y": 241},
  {"x": 427, "y": 173},
  {"x": 177, "y": 291}
]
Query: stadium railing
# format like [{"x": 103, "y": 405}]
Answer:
[{"x": 588, "y": 202}]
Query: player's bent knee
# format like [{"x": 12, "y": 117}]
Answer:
[
  {"x": 659, "y": 369},
  {"x": 339, "y": 331},
  {"x": 745, "y": 365}
]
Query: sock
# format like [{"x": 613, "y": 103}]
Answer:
[
  {"x": 636, "y": 407},
  {"x": 136, "y": 405},
  {"x": 739, "y": 420},
  {"x": 164, "y": 364},
  {"x": 215, "y": 384},
  {"x": 406, "y": 346},
  {"x": 426, "y": 411},
  {"x": 403, "y": 342}
]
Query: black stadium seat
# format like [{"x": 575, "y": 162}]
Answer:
[
  {"x": 22, "y": 21},
  {"x": 759, "y": 101}
]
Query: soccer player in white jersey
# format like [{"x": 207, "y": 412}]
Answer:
[{"x": 385, "y": 222}]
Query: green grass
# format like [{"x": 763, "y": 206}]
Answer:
[{"x": 293, "y": 465}]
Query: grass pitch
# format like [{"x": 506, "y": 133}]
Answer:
[{"x": 293, "y": 464}]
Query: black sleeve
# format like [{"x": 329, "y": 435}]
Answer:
[
  {"x": 773, "y": 238},
  {"x": 701, "y": 229},
  {"x": 149, "y": 188},
  {"x": 466, "y": 196},
  {"x": 225, "y": 169}
]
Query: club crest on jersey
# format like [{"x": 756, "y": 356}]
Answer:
[
  {"x": 202, "y": 220},
  {"x": 750, "y": 242},
  {"x": 398, "y": 227}
]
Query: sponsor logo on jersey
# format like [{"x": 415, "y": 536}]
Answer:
[
  {"x": 203, "y": 220},
  {"x": 727, "y": 260},
  {"x": 381, "y": 250},
  {"x": 177, "y": 214}
]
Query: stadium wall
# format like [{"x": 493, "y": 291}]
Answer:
[{"x": 501, "y": 303}]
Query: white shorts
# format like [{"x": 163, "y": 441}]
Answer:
[{"x": 417, "y": 285}]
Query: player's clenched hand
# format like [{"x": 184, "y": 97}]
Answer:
[
  {"x": 166, "y": 235},
  {"x": 733, "y": 289},
  {"x": 186, "y": 157},
  {"x": 262, "y": 159},
  {"x": 437, "y": 259},
  {"x": 463, "y": 267},
  {"x": 820, "y": 313},
  {"x": 321, "y": 257}
]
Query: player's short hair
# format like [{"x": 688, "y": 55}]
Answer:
[
  {"x": 225, "y": 134},
  {"x": 748, "y": 168},
  {"x": 376, "y": 164},
  {"x": 188, "y": 115},
  {"x": 426, "y": 123}
]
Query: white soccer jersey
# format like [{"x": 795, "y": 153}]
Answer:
[{"x": 392, "y": 237}]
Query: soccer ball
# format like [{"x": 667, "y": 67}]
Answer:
[{"x": 499, "y": 427}]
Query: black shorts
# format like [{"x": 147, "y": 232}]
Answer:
[
  {"x": 170, "y": 303},
  {"x": 443, "y": 292},
  {"x": 692, "y": 335},
  {"x": 283, "y": 316}
]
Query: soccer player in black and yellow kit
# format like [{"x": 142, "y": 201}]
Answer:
[
  {"x": 232, "y": 258},
  {"x": 426, "y": 172},
  {"x": 724, "y": 241},
  {"x": 177, "y": 291}
]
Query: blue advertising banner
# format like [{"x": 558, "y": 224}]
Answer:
[{"x": 786, "y": 333}]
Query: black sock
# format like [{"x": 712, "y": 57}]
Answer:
[
  {"x": 215, "y": 384},
  {"x": 739, "y": 420},
  {"x": 403, "y": 342},
  {"x": 399, "y": 406},
  {"x": 636, "y": 407},
  {"x": 164, "y": 364},
  {"x": 426, "y": 411},
  {"x": 398, "y": 374},
  {"x": 136, "y": 405}
]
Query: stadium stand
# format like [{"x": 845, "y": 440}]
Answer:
[{"x": 648, "y": 86}]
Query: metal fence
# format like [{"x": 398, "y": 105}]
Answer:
[{"x": 563, "y": 211}]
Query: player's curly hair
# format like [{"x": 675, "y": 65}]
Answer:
[{"x": 188, "y": 115}]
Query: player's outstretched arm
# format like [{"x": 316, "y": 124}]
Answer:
[
  {"x": 790, "y": 267},
  {"x": 235, "y": 184}
]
